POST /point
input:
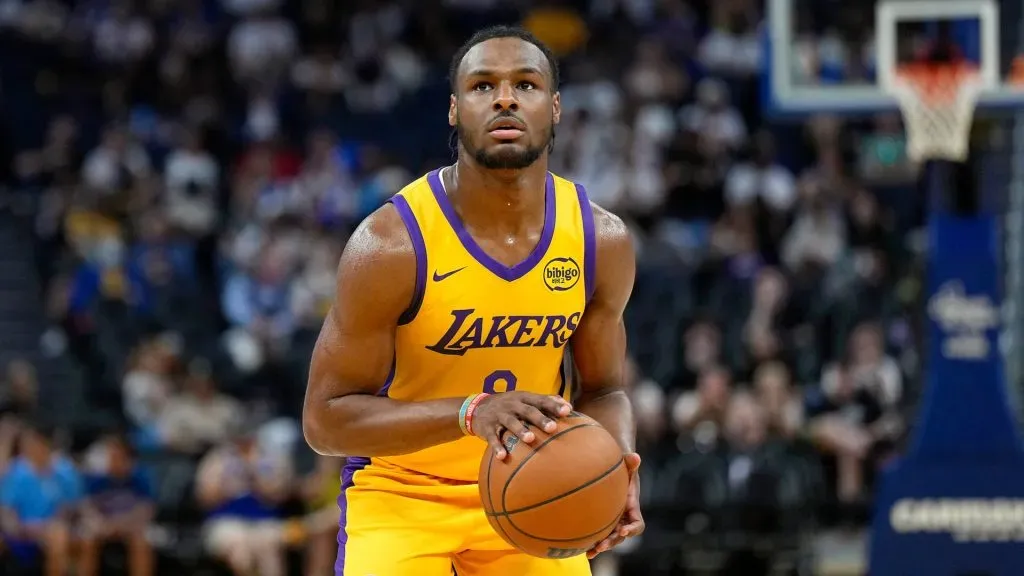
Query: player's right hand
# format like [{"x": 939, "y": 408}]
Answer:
[{"x": 513, "y": 411}]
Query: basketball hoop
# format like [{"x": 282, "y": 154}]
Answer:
[{"x": 937, "y": 101}]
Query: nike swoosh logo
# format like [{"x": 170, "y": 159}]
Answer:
[{"x": 439, "y": 277}]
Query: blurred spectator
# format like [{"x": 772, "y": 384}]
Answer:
[
  {"x": 191, "y": 179},
  {"x": 734, "y": 243},
  {"x": 320, "y": 490},
  {"x": 38, "y": 496},
  {"x": 313, "y": 291},
  {"x": 327, "y": 181},
  {"x": 256, "y": 305},
  {"x": 199, "y": 416},
  {"x": 649, "y": 407},
  {"x": 165, "y": 264},
  {"x": 260, "y": 45},
  {"x": 147, "y": 386},
  {"x": 10, "y": 434},
  {"x": 733, "y": 46},
  {"x": 109, "y": 278},
  {"x": 854, "y": 413},
  {"x": 652, "y": 77},
  {"x": 745, "y": 430},
  {"x": 115, "y": 165},
  {"x": 241, "y": 488},
  {"x": 818, "y": 236},
  {"x": 761, "y": 178},
  {"x": 121, "y": 36},
  {"x": 769, "y": 331},
  {"x": 702, "y": 351},
  {"x": 20, "y": 391},
  {"x": 375, "y": 25},
  {"x": 118, "y": 509},
  {"x": 752, "y": 471},
  {"x": 321, "y": 75},
  {"x": 871, "y": 241},
  {"x": 58, "y": 157},
  {"x": 783, "y": 406},
  {"x": 701, "y": 412},
  {"x": 720, "y": 125},
  {"x": 592, "y": 149}
]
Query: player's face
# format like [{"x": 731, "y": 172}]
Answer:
[{"x": 504, "y": 107}]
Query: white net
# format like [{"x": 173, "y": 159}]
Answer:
[{"x": 938, "y": 104}]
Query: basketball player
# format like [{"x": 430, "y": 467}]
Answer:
[{"x": 456, "y": 304}]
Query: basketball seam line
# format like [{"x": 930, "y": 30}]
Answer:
[
  {"x": 602, "y": 530},
  {"x": 560, "y": 496},
  {"x": 490, "y": 502},
  {"x": 516, "y": 471},
  {"x": 504, "y": 489}
]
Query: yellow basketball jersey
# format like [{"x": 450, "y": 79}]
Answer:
[{"x": 476, "y": 325}]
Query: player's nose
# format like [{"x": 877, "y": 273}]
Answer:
[{"x": 505, "y": 98}]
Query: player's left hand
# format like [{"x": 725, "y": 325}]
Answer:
[{"x": 632, "y": 522}]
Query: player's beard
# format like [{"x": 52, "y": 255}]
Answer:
[{"x": 504, "y": 157}]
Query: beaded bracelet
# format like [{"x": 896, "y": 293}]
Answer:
[
  {"x": 474, "y": 403},
  {"x": 462, "y": 413}
]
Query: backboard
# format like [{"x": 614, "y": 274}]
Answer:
[{"x": 836, "y": 55}]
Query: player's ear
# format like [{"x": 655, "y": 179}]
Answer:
[
  {"x": 556, "y": 107},
  {"x": 453, "y": 111}
]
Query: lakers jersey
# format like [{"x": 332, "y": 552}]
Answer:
[{"x": 477, "y": 325}]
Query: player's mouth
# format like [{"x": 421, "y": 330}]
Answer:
[{"x": 506, "y": 129}]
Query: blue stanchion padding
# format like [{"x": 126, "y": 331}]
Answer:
[{"x": 954, "y": 504}]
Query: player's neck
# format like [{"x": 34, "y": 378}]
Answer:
[{"x": 514, "y": 194}]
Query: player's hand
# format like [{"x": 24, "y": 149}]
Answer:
[
  {"x": 632, "y": 522},
  {"x": 513, "y": 411}
]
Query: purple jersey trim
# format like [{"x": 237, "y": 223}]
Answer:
[
  {"x": 387, "y": 382},
  {"x": 500, "y": 270},
  {"x": 563, "y": 377},
  {"x": 589, "y": 241},
  {"x": 352, "y": 465},
  {"x": 420, "y": 249}
]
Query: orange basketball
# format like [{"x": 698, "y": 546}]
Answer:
[{"x": 560, "y": 496}]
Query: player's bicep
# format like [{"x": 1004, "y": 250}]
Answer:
[
  {"x": 599, "y": 344},
  {"x": 376, "y": 278}
]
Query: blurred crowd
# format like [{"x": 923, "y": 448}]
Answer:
[{"x": 194, "y": 169}]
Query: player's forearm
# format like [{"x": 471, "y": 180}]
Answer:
[
  {"x": 613, "y": 410},
  {"x": 368, "y": 425}
]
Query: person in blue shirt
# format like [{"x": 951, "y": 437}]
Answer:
[
  {"x": 38, "y": 495},
  {"x": 118, "y": 508},
  {"x": 242, "y": 484}
]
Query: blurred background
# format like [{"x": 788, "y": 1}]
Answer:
[{"x": 178, "y": 179}]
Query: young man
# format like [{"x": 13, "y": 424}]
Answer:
[
  {"x": 118, "y": 508},
  {"x": 456, "y": 304},
  {"x": 38, "y": 496}
]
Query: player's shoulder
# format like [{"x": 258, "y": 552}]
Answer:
[
  {"x": 609, "y": 228},
  {"x": 381, "y": 234},
  {"x": 385, "y": 232},
  {"x": 385, "y": 238}
]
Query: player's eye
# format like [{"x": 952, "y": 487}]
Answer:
[
  {"x": 482, "y": 86},
  {"x": 525, "y": 85}
]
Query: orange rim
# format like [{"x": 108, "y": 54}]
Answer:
[{"x": 936, "y": 84}]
